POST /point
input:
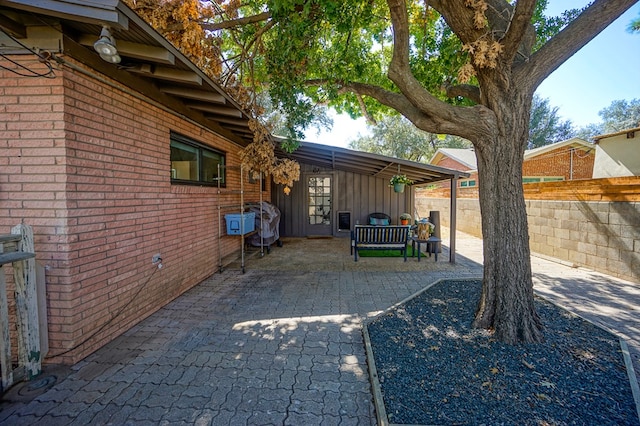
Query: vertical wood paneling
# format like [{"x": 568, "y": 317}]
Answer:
[{"x": 359, "y": 194}]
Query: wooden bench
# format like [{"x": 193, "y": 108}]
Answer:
[{"x": 368, "y": 237}]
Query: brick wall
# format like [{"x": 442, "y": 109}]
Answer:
[
  {"x": 565, "y": 161},
  {"x": 88, "y": 167},
  {"x": 593, "y": 223}
]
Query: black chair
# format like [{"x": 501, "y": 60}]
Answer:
[{"x": 381, "y": 219}]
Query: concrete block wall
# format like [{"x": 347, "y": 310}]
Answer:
[
  {"x": 599, "y": 235},
  {"x": 88, "y": 167}
]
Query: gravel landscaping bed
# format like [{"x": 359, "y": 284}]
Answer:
[{"x": 433, "y": 368}]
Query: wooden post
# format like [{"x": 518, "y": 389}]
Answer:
[
  {"x": 453, "y": 220},
  {"x": 24, "y": 272},
  {"x": 5, "y": 339}
]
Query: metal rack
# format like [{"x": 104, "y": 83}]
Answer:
[{"x": 242, "y": 207}]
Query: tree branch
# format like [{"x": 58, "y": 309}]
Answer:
[
  {"x": 567, "y": 42},
  {"x": 518, "y": 27},
  {"x": 365, "y": 112},
  {"x": 237, "y": 22},
  {"x": 436, "y": 113},
  {"x": 464, "y": 90},
  {"x": 429, "y": 122}
]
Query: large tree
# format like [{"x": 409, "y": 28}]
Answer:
[
  {"x": 460, "y": 67},
  {"x": 546, "y": 126},
  {"x": 396, "y": 136},
  {"x": 618, "y": 116}
]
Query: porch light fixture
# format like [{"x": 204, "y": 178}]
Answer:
[{"x": 106, "y": 46}]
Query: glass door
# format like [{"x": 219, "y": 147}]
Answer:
[{"x": 319, "y": 205}]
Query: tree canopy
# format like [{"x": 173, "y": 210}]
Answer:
[{"x": 395, "y": 136}]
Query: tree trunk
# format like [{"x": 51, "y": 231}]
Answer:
[{"x": 506, "y": 304}]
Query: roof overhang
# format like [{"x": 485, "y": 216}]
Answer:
[
  {"x": 150, "y": 64},
  {"x": 631, "y": 133},
  {"x": 364, "y": 163},
  {"x": 572, "y": 143}
]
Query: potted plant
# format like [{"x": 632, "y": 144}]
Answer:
[
  {"x": 405, "y": 218},
  {"x": 399, "y": 181}
]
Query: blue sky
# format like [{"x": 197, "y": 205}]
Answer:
[{"x": 606, "y": 69}]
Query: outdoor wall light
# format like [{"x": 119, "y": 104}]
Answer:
[{"x": 106, "y": 46}]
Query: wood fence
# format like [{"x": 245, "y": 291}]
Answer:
[
  {"x": 17, "y": 249},
  {"x": 606, "y": 189}
]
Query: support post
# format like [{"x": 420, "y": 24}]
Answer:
[
  {"x": 5, "y": 339},
  {"x": 24, "y": 272},
  {"x": 452, "y": 220}
]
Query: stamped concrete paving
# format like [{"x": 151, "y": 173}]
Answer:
[{"x": 280, "y": 344}]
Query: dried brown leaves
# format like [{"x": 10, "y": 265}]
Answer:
[
  {"x": 259, "y": 157},
  {"x": 485, "y": 51}
]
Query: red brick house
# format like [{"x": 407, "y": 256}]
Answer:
[
  {"x": 567, "y": 160},
  {"x": 86, "y": 150}
]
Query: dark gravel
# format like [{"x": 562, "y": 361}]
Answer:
[{"x": 434, "y": 368}]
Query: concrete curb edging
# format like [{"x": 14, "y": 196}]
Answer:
[{"x": 633, "y": 379}]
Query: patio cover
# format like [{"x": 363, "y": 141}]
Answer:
[
  {"x": 369, "y": 164},
  {"x": 365, "y": 163}
]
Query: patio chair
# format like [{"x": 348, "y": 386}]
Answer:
[{"x": 381, "y": 219}]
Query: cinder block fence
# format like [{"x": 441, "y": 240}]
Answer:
[{"x": 591, "y": 223}]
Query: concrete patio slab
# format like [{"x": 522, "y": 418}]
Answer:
[{"x": 280, "y": 344}]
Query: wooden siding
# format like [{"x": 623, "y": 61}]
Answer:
[{"x": 356, "y": 193}]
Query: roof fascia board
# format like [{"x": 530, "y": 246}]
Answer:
[
  {"x": 449, "y": 154},
  {"x": 390, "y": 161},
  {"x": 546, "y": 148},
  {"x": 93, "y": 11},
  {"x": 610, "y": 135},
  {"x": 133, "y": 17},
  {"x": 145, "y": 88}
]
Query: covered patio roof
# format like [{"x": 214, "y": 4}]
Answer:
[
  {"x": 365, "y": 163},
  {"x": 336, "y": 158}
]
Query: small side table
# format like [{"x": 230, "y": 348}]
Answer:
[{"x": 432, "y": 246}]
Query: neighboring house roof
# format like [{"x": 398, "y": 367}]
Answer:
[
  {"x": 466, "y": 156},
  {"x": 150, "y": 65},
  {"x": 629, "y": 132},
  {"x": 573, "y": 142},
  {"x": 369, "y": 164}
]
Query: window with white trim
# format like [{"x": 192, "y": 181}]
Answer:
[{"x": 535, "y": 179}]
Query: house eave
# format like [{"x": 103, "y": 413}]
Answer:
[
  {"x": 597, "y": 139},
  {"x": 150, "y": 64},
  {"x": 365, "y": 163}
]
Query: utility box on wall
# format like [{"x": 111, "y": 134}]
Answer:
[{"x": 235, "y": 220}]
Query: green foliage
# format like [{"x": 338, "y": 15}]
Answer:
[
  {"x": 618, "y": 116},
  {"x": 546, "y": 27},
  {"x": 545, "y": 126},
  {"x": 634, "y": 25},
  {"x": 395, "y": 136},
  {"x": 403, "y": 179}
]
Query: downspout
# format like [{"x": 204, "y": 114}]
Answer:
[{"x": 571, "y": 164}]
